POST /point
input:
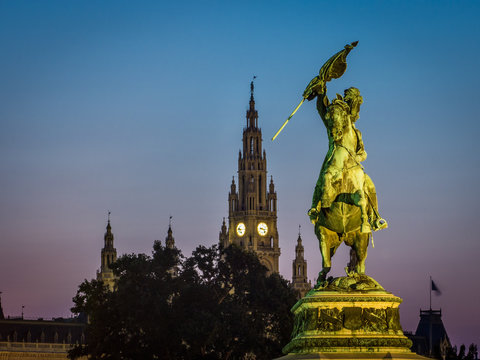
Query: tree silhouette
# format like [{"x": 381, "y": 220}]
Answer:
[{"x": 216, "y": 304}]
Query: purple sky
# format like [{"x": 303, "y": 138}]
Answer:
[{"x": 139, "y": 109}]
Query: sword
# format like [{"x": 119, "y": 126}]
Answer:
[{"x": 286, "y": 121}]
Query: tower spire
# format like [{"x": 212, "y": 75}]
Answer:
[
  {"x": 108, "y": 257},
  {"x": 170, "y": 244},
  {"x": 252, "y": 87},
  {"x": 169, "y": 240},
  {"x": 252, "y": 114},
  {"x": 109, "y": 228},
  {"x": 299, "y": 269},
  {"x": 299, "y": 247},
  {"x": 223, "y": 236},
  {"x": 108, "y": 238}
]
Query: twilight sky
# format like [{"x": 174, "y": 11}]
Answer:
[{"x": 138, "y": 108}]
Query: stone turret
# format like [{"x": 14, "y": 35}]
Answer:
[
  {"x": 108, "y": 257},
  {"x": 299, "y": 269},
  {"x": 170, "y": 244},
  {"x": 169, "y": 240},
  {"x": 223, "y": 236}
]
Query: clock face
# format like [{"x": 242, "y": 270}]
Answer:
[
  {"x": 262, "y": 229},
  {"x": 241, "y": 229}
]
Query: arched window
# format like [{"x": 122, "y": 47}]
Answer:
[{"x": 251, "y": 146}]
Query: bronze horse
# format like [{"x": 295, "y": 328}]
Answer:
[{"x": 342, "y": 215}]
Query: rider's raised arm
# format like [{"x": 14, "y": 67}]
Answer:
[
  {"x": 318, "y": 89},
  {"x": 322, "y": 104}
]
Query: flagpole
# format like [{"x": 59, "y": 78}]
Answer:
[
  {"x": 430, "y": 293},
  {"x": 430, "y": 320}
]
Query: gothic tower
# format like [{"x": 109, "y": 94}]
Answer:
[
  {"x": 252, "y": 211},
  {"x": 108, "y": 256},
  {"x": 169, "y": 240},
  {"x": 299, "y": 269},
  {"x": 223, "y": 236},
  {"x": 170, "y": 244}
]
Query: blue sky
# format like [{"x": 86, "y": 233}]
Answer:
[{"x": 138, "y": 108}]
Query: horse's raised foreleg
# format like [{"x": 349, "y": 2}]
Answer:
[
  {"x": 376, "y": 221},
  {"x": 360, "y": 200},
  {"x": 328, "y": 191}
]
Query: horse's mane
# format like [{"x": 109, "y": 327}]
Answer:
[{"x": 339, "y": 102}]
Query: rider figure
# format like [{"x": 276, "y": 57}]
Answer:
[{"x": 329, "y": 173}]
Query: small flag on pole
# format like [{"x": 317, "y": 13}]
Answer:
[{"x": 435, "y": 288}]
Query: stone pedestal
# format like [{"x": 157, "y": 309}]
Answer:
[{"x": 345, "y": 323}]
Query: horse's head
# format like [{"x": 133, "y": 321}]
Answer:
[
  {"x": 337, "y": 117},
  {"x": 353, "y": 98}
]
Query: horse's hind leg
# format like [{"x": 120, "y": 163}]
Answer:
[
  {"x": 360, "y": 245},
  {"x": 328, "y": 241}
]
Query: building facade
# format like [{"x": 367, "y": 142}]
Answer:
[
  {"x": 252, "y": 210},
  {"x": 430, "y": 338},
  {"x": 24, "y": 339}
]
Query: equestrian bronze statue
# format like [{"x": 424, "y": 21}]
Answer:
[{"x": 344, "y": 205}]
